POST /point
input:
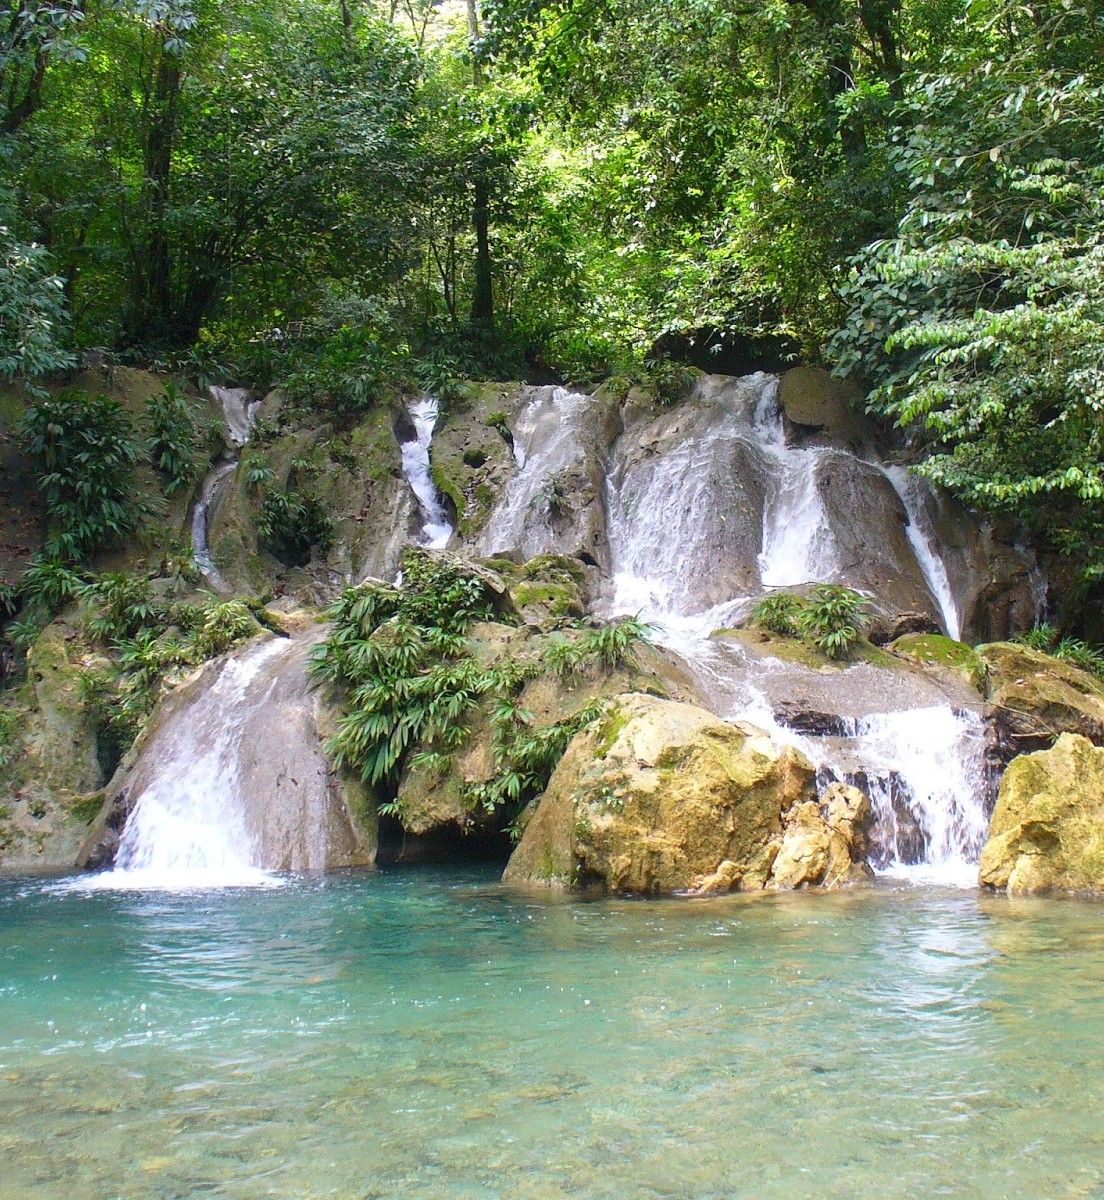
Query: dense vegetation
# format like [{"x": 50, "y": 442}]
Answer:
[
  {"x": 348, "y": 195},
  {"x": 413, "y": 682}
]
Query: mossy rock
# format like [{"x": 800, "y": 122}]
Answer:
[
  {"x": 763, "y": 642},
  {"x": 656, "y": 797},
  {"x": 1036, "y": 697},
  {"x": 942, "y": 653},
  {"x": 1047, "y": 831}
]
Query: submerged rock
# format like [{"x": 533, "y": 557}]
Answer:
[
  {"x": 1035, "y": 698},
  {"x": 1047, "y": 830},
  {"x": 660, "y": 797}
]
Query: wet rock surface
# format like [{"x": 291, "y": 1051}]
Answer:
[
  {"x": 659, "y": 797},
  {"x": 1036, "y": 697},
  {"x": 1047, "y": 831}
]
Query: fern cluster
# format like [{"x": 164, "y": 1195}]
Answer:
[
  {"x": 830, "y": 619},
  {"x": 1073, "y": 650},
  {"x": 412, "y": 681}
]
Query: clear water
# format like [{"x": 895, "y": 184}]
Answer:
[{"x": 425, "y": 1034}]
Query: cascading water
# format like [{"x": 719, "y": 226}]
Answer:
[
  {"x": 188, "y": 826},
  {"x": 232, "y": 783},
  {"x": 548, "y": 439},
  {"x": 798, "y": 543},
  {"x": 437, "y": 530},
  {"x": 924, "y": 543},
  {"x": 238, "y": 411},
  {"x": 676, "y": 518}
]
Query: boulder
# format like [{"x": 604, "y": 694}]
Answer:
[
  {"x": 660, "y": 796},
  {"x": 1035, "y": 698},
  {"x": 814, "y": 400},
  {"x": 1047, "y": 831}
]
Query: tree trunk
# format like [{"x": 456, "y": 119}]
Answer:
[
  {"x": 482, "y": 307},
  {"x": 155, "y": 320}
]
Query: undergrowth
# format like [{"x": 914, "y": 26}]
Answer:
[
  {"x": 830, "y": 619},
  {"x": 412, "y": 682}
]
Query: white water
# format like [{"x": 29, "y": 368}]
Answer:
[
  {"x": 238, "y": 411},
  {"x": 913, "y": 492},
  {"x": 798, "y": 543},
  {"x": 437, "y": 530},
  {"x": 930, "y": 758},
  {"x": 548, "y": 440},
  {"x": 189, "y": 828}
]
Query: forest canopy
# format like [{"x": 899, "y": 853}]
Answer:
[{"x": 345, "y": 192}]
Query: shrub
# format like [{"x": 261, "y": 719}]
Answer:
[
  {"x": 831, "y": 619},
  {"x": 86, "y": 450},
  {"x": 292, "y": 523},
  {"x": 1041, "y": 637},
  {"x": 172, "y": 439},
  {"x": 779, "y": 613}
]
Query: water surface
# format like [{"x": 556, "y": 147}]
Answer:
[{"x": 423, "y": 1034}]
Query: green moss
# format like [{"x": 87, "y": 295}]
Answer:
[
  {"x": 794, "y": 650},
  {"x": 609, "y": 730},
  {"x": 555, "y": 568},
  {"x": 86, "y": 807},
  {"x": 557, "y": 599},
  {"x": 935, "y": 650}
]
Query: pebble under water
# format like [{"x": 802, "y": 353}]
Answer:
[{"x": 423, "y": 1033}]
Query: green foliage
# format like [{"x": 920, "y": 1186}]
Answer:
[
  {"x": 1039, "y": 637},
  {"x": 526, "y": 754},
  {"x": 50, "y": 583},
  {"x": 32, "y": 311},
  {"x": 1080, "y": 654},
  {"x": 830, "y": 619},
  {"x": 551, "y": 498},
  {"x": 779, "y": 612},
  {"x": 978, "y": 325},
  {"x": 9, "y": 737},
  {"x": 119, "y": 605},
  {"x": 609, "y": 647},
  {"x": 293, "y": 523},
  {"x": 173, "y": 439},
  {"x": 86, "y": 450},
  {"x": 400, "y": 652},
  {"x": 411, "y": 681}
]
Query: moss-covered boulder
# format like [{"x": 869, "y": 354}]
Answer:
[
  {"x": 49, "y": 770},
  {"x": 1047, "y": 831},
  {"x": 660, "y": 796},
  {"x": 941, "y": 655},
  {"x": 1035, "y": 698}
]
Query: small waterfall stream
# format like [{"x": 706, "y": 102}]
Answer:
[
  {"x": 238, "y": 411},
  {"x": 437, "y": 530}
]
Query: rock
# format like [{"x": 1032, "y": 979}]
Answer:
[
  {"x": 655, "y": 797},
  {"x": 815, "y": 400},
  {"x": 810, "y": 721},
  {"x": 50, "y": 771},
  {"x": 803, "y": 855},
  {"x": 848, "y": 815},
  {"x": 1047, "y": 830},
  {"x": 435, "y": 795},
  {"x": 1035, "y": 698}
]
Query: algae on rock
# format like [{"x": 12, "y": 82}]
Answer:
[
  {"x": 662, "y": 796},
  {"x": 1047, "y": 830}
]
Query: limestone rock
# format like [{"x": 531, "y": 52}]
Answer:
[
  {"x": 656, "y": 797},
  {"x": 1047, "y": 830},
  {"x": 813, "y": 399},
  {"x": 1036, "y": 697}
]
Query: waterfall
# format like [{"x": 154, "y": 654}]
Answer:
[
  {"x": 437, "y": 529},
  {"x": 921, "y": 535},
  {"x": 209, "y": 493},
  {"x": 549, "y": 439},
  {"x": 238, "y": 411},
  {"x": 677, "y": 518},
  {"x": 232, "y": 783},
  {"x": 188, "y": 826},
  {"x": 798, "y": 543}
]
